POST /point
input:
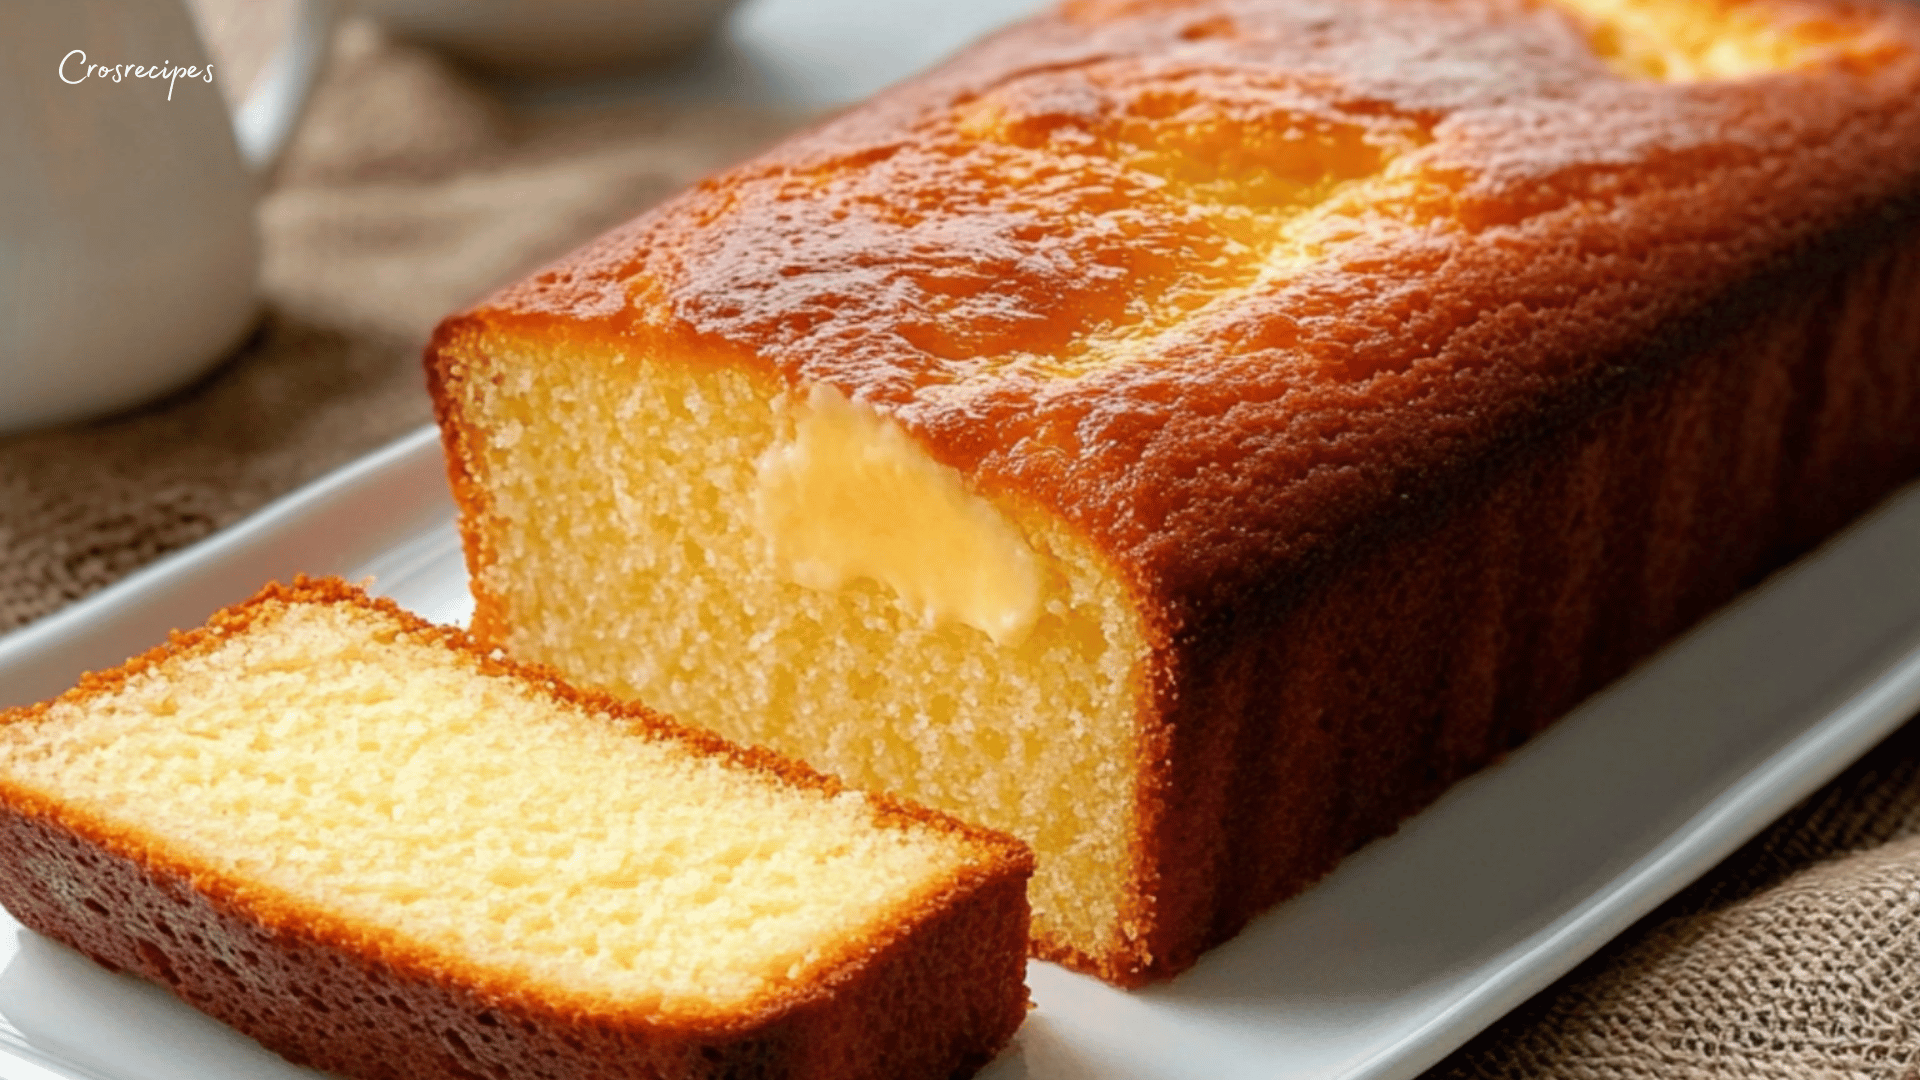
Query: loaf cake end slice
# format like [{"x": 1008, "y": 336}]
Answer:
[{"x": 386, "y": 853}]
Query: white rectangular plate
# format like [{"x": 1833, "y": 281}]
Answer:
[{"x": 1413, "y": 945}]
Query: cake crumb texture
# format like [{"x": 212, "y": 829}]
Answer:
[
  {"x": 319, "y": 787},
  {"x": 655, "y": 582}
]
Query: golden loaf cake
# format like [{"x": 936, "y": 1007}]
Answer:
[
  {"x": 1191, "y": 434},
  {"x": 386, "y": 853}
]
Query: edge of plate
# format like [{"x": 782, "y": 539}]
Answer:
[
  {"x": 1736, "y": 815},
  {"x": 365, "y": 485}
]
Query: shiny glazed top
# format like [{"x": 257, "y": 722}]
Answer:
[{"x": 1220, "y": 281}]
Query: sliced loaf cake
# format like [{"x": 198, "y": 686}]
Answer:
[{"x": 383, "y": 852}]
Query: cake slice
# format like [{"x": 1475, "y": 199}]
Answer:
[
  {"x": 383, "y": 852},
  {"x": 1190, "y": 434}
]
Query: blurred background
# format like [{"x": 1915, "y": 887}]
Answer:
[{"x": 450, "y": 146}]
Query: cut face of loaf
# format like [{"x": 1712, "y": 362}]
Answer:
[
  {"x": 1190, "y": 435},
  {"x": 643, "y": 565},
  {"x": 381, "y": 852}
]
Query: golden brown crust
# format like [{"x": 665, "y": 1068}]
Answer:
[
  {"x": 463, "y": 446},
  {"x": 1303, "y": 732},
  {"x": 322, "y": 1001},
  {"x": 342, "y": 995},
  {"x": 1545, "y": 243},
  {"x": 841, "y": 256}
]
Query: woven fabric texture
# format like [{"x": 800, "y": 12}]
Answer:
[{"x": 411, "y": 192}]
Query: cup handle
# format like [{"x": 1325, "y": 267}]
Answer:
[{"x": 263, "y": 124}]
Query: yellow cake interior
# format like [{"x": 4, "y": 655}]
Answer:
[
  {"x": 667, "y": 578},
  {"x": 360, "y": 770}
]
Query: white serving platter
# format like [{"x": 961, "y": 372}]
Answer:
[{"x": 1406, "y": 951}]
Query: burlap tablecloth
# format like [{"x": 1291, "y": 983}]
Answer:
[{"x": 411, "y": 191}]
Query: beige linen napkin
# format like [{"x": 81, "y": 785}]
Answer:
[{"x": 411, "y": 192}]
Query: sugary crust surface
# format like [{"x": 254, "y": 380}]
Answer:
[
  {"x": 1555, "y": 217},
  {"x": 1511, "y": 243},
  {"x": 342, "y": 995}
]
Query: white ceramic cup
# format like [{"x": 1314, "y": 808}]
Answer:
[{"x": 129, "y": 249}]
